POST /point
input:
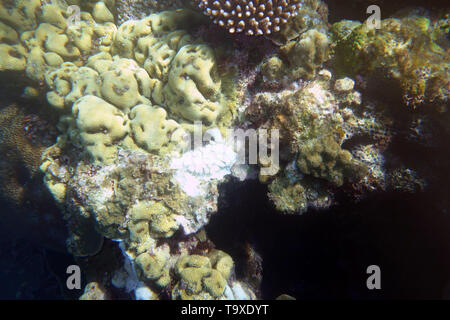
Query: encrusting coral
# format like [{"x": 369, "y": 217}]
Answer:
[
  {"x": 304, "y": 45},
  {"x": 316, "y": 120},
  {"x": 411, "y": 49},
  {"x": 323, "y": 158}
]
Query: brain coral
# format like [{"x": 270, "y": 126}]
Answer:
[{"x": 255, "y": 17}]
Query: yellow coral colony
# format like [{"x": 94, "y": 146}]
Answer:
[
  {"x": 144, "y": 82},
  {"x": 130, "y": 92}
]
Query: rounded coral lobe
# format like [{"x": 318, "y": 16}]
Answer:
[{"x": 255, "y": 17}]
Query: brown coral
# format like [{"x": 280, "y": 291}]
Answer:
[
  {"x": 255, "y": 17},
  {"x": 20, "y": 156}
]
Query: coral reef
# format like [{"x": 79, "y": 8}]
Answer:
[
  {"x": 304, "y": 46},
  {"x": 136, "y": 201},
  {"x": 411, "y": 49},
  {"x": 251, "y": 17},
  {"x": 125, "y": 110},
  {"x": 94, "y": 291},
  {"x": 138, "y": 9},
  {"x": 46, "y": 40},
  {"x": 316, "y": 119},
  {"x": 129, "y": 90},
  {"x": 313, "y": 14},
  {"x": 151, "y": 62}
]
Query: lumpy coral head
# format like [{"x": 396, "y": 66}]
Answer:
[{"x": 255, "y": 17}]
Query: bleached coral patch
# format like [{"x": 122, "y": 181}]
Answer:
[{"x": 202, "y": 164}]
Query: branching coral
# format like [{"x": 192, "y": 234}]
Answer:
[{"x": 255, "y": 17}]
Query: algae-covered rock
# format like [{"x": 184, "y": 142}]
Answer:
[
  {"x": 307, "y": 54},
  {"x": 94, "y": 291},
  {"x": 299, "y": 58},
  {"x": 134, "y": 198},
  {"x": 314, "y": 121},
  {"x": 324, "y": 158},
  {"x": 412, "y": 50}
]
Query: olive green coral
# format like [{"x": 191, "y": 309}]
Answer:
[
  {"x": 155, "y": 266},
  {"x": 200, "y": 278},
  {"x": 68, "y": 83},
  {"x": 152, "y": 62},
  {"x": 101, "y": 126},
  {"x": 12, "y": 57},
  {"x": 152, "y": 130},
  {"x": 42, "y": 35},
  {"x": 125, "y": 84},
  {"x": 183, "y": 71},
  {"x": 193, "y": 88},
  {"x": 411, "y": 49},
  {"x": 159, "y": 218},
  {"x": 323, "y": 158},
  {"x": 302, "y": 57}
]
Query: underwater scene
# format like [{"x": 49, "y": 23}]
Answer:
[{"x": 224, "y": 150}]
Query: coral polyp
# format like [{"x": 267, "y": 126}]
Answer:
[{"x": 255, "y": 17}]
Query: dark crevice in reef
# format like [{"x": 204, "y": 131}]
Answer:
[
  {"x": 325, "y": 254},
  {"x": 31, "y": 271}
]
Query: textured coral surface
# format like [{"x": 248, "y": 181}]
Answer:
[{"x": 119, "y": 121}]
